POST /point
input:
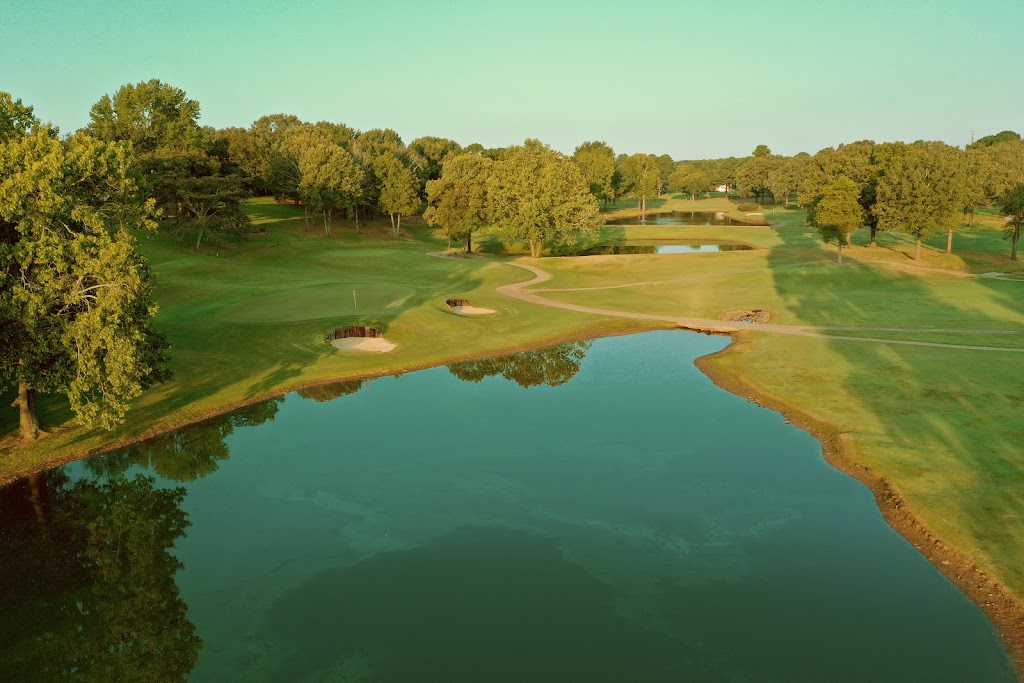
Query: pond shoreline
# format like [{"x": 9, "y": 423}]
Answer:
[{"x": 1004, "y": 610}]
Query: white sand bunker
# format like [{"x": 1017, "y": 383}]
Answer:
[
  {"x": 359, "y": 338},
  {"x": 462, "y": 307}
]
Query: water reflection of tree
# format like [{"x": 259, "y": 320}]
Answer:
[
  {"x": 186, "y": 454},
  {"x": 88, "y": 581},
  {"x": 608, "y": 249},
  {"x": 552, "y": 366},
  {"x": 329, "y": 392}
]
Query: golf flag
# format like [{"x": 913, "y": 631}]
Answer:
[{"x": 355, "y": 304}]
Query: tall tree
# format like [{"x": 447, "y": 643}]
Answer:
[
  {"x": 152, "y": 115},
  {"x": 75, "y": 294},
  {"x": 538, "y": 195},
  {"x": 597, "y": 163},
  {"x": 642, "y": 177},
  {"x": 399, "y": 189},
  {"x": 429, "y": 154},
  {"x": 1011, "y": 204},
  {"x": 329, "y": 179},
  {"x": 752, "y": 176},
  {"x": 690, "y": 179},
  {"x": 838, "y": 213},
  {"x": 458, "y": 199},
  {"x": 919, "y": 190}
]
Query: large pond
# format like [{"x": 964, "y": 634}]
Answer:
[
  {"x": 592, "y": 511},
  {"x": 686, "y": 218}
]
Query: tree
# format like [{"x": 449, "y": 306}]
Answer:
[
  {"x": 192, "y": 194},
  {"x": 399, "y": 192},
  {"x": 458, "y": 199},
  {"x": 919, "y": 190},
  {"x": 1012, "y": 206},
  {"x": 429, "y": 154},
  {"x": 642, "y": 178},
  {"x": 75, "y": 294},
  {"x": 690, "y": 179},
  {"x": 597, "y": 163},
  {"x": 329, "y": 179},
  {"x": 538, "y": 195},
  {"x": 785, "y": 177},
  {"x": 762, "y": 151},
  {"x": 752, "y": 176},
  {"x": 152, "y": 115},
  {"x": 665, "y": 168},
  {"x": 838, "y": 213},
  {"x": 16, "y": 119}
]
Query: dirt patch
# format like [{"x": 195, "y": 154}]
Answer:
[{"x": 747, "y": 315}]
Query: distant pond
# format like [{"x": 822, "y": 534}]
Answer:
[
  {"x": 651, "y": 247},
  {"x": 686, "y": 218},
  {"x": 586, "y": 512}
]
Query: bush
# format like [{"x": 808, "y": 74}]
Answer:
[{"x": 749, "y": 207}]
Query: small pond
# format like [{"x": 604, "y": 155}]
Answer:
[
  {"x": 652, "y": 247},
  {"x": 587, "y": 512},
  {"x": 686, "y": 218}
]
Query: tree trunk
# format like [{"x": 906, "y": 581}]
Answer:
[
  {"x": 469, "y": 242},
  {"x": 874, "y": 236},
  {"x": 917, "y": 254},
  {"x": 327, "y": 224},
  {"x": 305, "y": 215},
  {"x": 356, "y": 212},
  {"x": 535, "y": 247},
  {"x": 949, "y": 240},
  {"x": 200, "y": 238},
  {"x": 1014, "y": 238},
  {"x": 398, "y": 226},
  {"x": 840, "y": 252},
  {"x": 28, "y": 422}
]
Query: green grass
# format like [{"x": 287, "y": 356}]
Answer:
[{"x": 943, "y": 426}]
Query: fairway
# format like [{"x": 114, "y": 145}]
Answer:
[{"x": 319, "y": 301}]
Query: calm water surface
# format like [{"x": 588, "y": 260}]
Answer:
[
  {"x": 686, "y": 218},
  {"x": 651, "y": 247},
  {"x": 587, "y": 512}
]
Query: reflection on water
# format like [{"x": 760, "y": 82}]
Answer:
[
  {"x": 653, "y": 247},
  {"x": 552, "y": 366},
  {"x": 188, "y": 454},
  {"x": 479, "y": 603},
  {"x": 328, "y": 392},
  {"x": 686, "y": 218},
  {"x": 89, "y": 588}
]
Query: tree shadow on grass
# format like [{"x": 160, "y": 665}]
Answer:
[{"x": 945, "y": 424}]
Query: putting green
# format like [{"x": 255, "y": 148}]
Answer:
[{"x": 321, "y": 301}]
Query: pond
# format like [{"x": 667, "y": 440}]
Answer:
[
  {"x": 651, "y": 247},
  {"x": 686, "y": 218},
  {"x": 591, "y": 511}
]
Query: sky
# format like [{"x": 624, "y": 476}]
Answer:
[{"x": 689, "y": 79}]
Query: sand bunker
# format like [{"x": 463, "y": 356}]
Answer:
[
  {"x": 462, "y": 307},
  {"x": 747, "y": 315},
  {"x": 359, "y": 338}
]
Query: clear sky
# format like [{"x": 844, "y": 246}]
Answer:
[{"x": 690, "y": 79}]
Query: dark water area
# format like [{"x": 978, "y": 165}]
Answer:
[
  {"x": 651, "y": 247},
  {"x": 686, "y": 218},
  {"x": 592, "y": 511}
]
